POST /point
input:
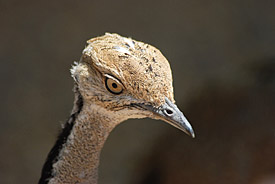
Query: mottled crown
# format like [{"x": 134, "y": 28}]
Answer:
[{"x": 141, "y": 68}]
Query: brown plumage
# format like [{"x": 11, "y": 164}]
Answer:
[{"x": 116, "y": 79}]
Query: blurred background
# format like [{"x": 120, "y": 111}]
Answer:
[{"x": 222, "y": 53}]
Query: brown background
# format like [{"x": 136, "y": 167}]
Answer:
[{"x": 222, "y": 53}]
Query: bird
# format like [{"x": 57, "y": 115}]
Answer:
[{"x": 117, "y": 78}]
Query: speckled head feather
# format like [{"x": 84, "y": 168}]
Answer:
[
  {"x": 142, "y": 69},
  {"x": 139, "y": 70}
]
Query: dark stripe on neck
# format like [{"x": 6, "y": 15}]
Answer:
[{"x": 47, "y": 171}]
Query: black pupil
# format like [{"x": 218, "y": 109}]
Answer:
[{"x": 114, "y": 85}]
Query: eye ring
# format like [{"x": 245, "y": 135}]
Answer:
[{"x": 113, "y": 85}]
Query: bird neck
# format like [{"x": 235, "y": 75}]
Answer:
[{"x": 75, "y": 156}]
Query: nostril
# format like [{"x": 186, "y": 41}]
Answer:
[{"x": 168, "y": 112}]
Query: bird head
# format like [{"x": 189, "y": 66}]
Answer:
[{"x": 129, "y": 79}]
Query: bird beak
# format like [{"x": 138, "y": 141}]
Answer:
[{"x": 170, "y": 113}]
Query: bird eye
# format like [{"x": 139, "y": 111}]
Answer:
[{"x": 113, "y": 86}]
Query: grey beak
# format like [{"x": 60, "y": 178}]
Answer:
[{"x": 170, "y": 113}]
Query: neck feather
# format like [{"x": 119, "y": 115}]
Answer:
[{"x": 75, "y": 155}]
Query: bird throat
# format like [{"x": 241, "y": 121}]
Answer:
[{"x": 76, "y": 153}]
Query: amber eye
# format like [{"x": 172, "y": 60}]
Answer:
[{"x": 113, "y": 86}]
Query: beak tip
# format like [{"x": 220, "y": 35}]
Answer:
[{"x": 193, "y": 135}]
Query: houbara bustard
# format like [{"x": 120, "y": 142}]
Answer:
[{"x": 117, "y": 78}]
